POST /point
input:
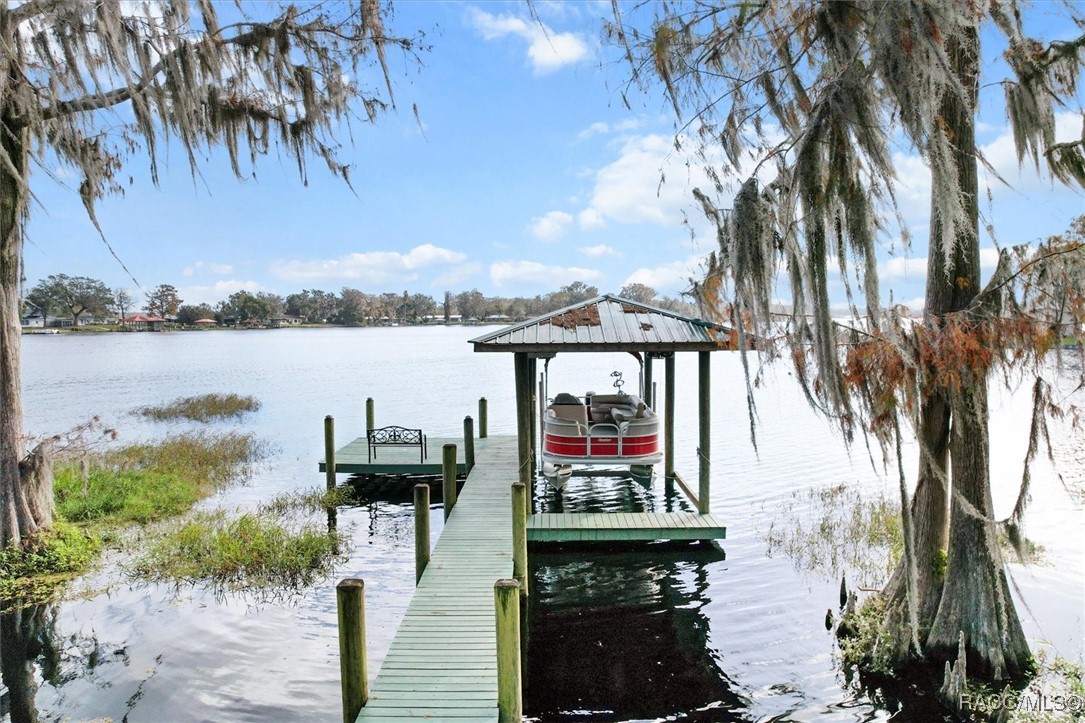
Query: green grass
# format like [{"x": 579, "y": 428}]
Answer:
[
  {"x": 202, "y": 408},
  {"x": 52, "y": 557},
  {"x": 144, "y": 482},
  {"x": 251, "y": 551}
]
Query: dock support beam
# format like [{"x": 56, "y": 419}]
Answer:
[
  {"x": 448, "y": 478},
  {"x": 533, "y": 374},
  {"x": 483, "y": 420},
  {"x": 370, "y": 416},
  {"x": 329, "y": 451},
  {"x": 649, "y": 399},
  {"x": 668, "y": 423},
  {"x": 524, "y": 413},
  {"x": 704, "y": 391},
  {"x": 350, "y": 600},
  {"x": 519, "y": 535},
  {"x": 421, "y": 530},
  {"x": 510, "y": 706},
  {"x": 468, "y": 444}
]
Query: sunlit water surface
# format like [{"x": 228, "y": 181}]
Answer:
[{"x": 694, "y": 633}]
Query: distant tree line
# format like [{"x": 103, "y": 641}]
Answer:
[{"x": 62, "y": 296}]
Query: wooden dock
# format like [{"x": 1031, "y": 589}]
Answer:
[
  {"x": 354, "y": 458},
  {"x": 442, "y": 663}
]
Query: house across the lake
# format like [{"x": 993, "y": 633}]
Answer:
[{"x": 142, "y": 322}]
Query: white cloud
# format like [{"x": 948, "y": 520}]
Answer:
[
  {"x": 371, "y": 267},
  {"x": 668, "y": 278},
  {"x": 216, "y": 292},
  {"x": 589, "y": 218},
  {"x": 597, "y": 251},
  {"x": 532, "y": 273},
  {"x": 547, "y": 50},
  {"x": 903, "y": 268},
  {"x": 551, "y": 226},
  {"x": 200, "y": 267},
  {"x": 601, "y": 128},
  {"x": 454, "y": 277}
]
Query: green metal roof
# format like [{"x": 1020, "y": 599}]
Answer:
[{"x": 608, "y": 323}]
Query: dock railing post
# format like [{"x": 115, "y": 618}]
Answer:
[
  {"x": 519, "y": 535},
  {"x": 329, "y": 451},
  {"x": 482, "y": 418},
  {"x": 448, "y": 478},
  {"x": 421, "y": 530},
  {"x": 468, "y": 444},
  {"x": 370, "y": 415},
  {"x": 704, "y": 393},
  {"x": 507, "y": 608},
  {"x": 350, "y": 600}
]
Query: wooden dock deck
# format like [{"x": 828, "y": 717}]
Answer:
[
  {"x": 354, "y": 458},
  {"x": 442, "y": 663}
]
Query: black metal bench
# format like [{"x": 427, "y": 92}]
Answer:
[{"x": 396, "y": 437}]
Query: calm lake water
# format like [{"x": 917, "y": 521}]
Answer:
[{"x": 651, "y": 634}]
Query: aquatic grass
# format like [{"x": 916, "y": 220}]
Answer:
[
  {"x": 250, "y": 551},
  {"x": 833, "y": 529},
  {"x": 314, "y": 500},
  {"x": 148, "y": 481},
  {"x": 33, "y": 574},
  {"x": 202, "y": 408}
]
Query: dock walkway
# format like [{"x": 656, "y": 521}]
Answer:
[{"x": 442, "y": 664}]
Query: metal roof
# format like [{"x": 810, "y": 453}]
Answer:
[{"x": 608, "y": 323}]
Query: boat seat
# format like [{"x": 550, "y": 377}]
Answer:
[{"x": 574, "y": 412}]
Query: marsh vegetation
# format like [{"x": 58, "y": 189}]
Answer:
[{"x": 202, "y": 408}]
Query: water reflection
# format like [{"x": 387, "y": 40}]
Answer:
[{"x": 31, "y": 650}]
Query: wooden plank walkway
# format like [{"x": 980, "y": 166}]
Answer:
[
  {"x": 623, "y": 527},
  {"x": 442, "y": 664},
  {"x": 354, "y": 458}
]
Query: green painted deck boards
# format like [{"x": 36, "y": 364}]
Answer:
[
  {"x": 442, "y": 664},
  {"x": 354, "y": 458},
  {"x": 623, "y": 527}
]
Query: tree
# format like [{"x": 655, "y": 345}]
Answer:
[
  {"x": 87, "y": 84},
  {"x": 244, "y": 306},
  {"x": 162, "y": 301},
  {"x": 471, "y": 304},
  {"x": 122, "y": 302},
  {"x": 78, "y": 294},
  {"x": 638, "y": 292},
  {"x": 447, "y": 306},
  {"x": 189, "y": 313},
  {"x": 808, "y": 90}
]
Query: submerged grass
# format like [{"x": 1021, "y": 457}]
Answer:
[
  {"x": 150, "y": 481},
  {"x": 52, "y": 557},
  {"x": 833, "y": 529},
  {"x": 251, "y": 551},
  {"x": 202, "y": 408}
]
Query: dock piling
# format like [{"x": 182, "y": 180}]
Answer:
[
  {"x": 448, "y": 477},
  {"x": 370, "y": 415},
  {"x": 704, "y": 392},
  {"x": 421, "y": 530},
  {"x": 350, "y": 599},
  {"x": 507, "y": 608},
  {"x": 468, "y": 444},
  {"x": 519, "y": 535},
  {"x": 329, "y": 451},
  {"x": 482, "y": 418}
]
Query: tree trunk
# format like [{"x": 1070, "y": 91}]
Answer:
[
  {"x": 17, "y": 518},
  {"x": 976, "y": 597}
]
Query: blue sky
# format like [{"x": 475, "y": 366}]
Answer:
[{"x": 527, "y": 173}]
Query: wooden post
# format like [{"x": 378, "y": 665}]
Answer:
[
  {"x": 350, "y": 600},
  {"x": 329, "y": 451},
  {"x": 647, "y": 391},
  {"x": 532, "y": 367},
  {"x": 704, "y": 450},
  {"x": 369, "y": 415},
  {"x": 468, "y": 443},
  {"x": 523, "y": 416},
  {"x": 510, "y": 704},
  {"x": 668, "y": 422},
  {"x": 519, "y": 535},
  {"x": 448, "y": 474},
  {"x": 482, "y": 420},
  {"x": 421, "y": 530}
]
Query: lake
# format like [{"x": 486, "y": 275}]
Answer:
[{"x": 735, "y": 633}]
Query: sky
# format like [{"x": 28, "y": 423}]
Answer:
[{"x": 525, "y": 171}]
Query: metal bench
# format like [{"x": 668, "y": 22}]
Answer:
[{"x": 396, "y": 437}]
